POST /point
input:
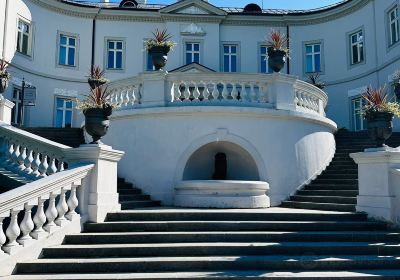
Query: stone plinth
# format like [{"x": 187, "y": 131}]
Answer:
[{"x": 222, "y": 194}]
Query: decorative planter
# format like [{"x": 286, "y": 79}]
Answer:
[
  {"x": 159, "y": 56},
  {"x": 3, "y": 84},
  {"x": 397, "y": 90},
  {"x": 379, "y": 126},
  {"x": 276, "y": 59},
  {"x": 97, "y": 122},
  {"x": 94, "y": 83}
]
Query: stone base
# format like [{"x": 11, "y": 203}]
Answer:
[{"x": 222, "y": 194}]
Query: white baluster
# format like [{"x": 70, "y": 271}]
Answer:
[
  {"x": 3, "y": 237},
  {"x": 51, "y": 214},
  {"x": 15, "y": 156},
  {"x": 10, "y": 153},
  {"x": 140, "y": 94},
  {"x": 61, "y": 166},
  {"x": 196, "y": 92},
  {"x": 206, "y": 92},
  {"x": 263, "y": 94},
  {"x": 43, "y": 166},
  {"x": 12, "y": 233},
  {"x": 234, "y": 92},
  {"x": 28, "y": 162},
  {"x": 36, "y": 164},
  {"x": 27, "y": 226},
  {"x": 73, "y": 203},
  {"x": 296, "y": 98},
  {"x": 62, "y": 208},
  {"x": 175, "y": 94},
  {"x": 133, "y": 96},
  {"x": 21, "y": 159},
  {"x": 243, "y": 93},
  {"x": 53, "y": 167},
  {"x": 215, "y": 92},
  {"x": 121, "y": 98},
  {"x": 126, "y": 99},
  {"x": 186, "y": 94},
  {"x": 39, "y": 219},
  {"x": 253, "y": 94},
  {"x": 225, "y": 92}
]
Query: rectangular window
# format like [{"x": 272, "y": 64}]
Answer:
[
  {"x": 24, "y": 37},
  {"x": 359, "y": 123},
  {"x": 115, "y": 53},
  {"x": 64, "y": 111},
  {"x": 313, "y": 58},
  {"x": 67, "y": 50},
  {"x": 230, "y": 58},
  {"x": 16, "y": 110},
  {"x": 357, "y": 47},
  {"x": 192, "y": 52},
  {"x": 149, "y": 62},
  {"x": 264, "y": 67},
  {"x": 394, "y": 31}
]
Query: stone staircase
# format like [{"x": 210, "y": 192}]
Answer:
[
  {"x": 275, "y": 243},
  {"x": 72, "y": 137},
  {"x": 131, "y": 197},
  {"x": 336, "y": 189}
]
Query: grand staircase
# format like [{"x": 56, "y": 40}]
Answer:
[
  {"x": 275, "y": 243},
  {"x": 336, "y": 189}
]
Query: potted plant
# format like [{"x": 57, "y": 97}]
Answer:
[
  {"x": 97, "y": 111},
  {"x": 314, "y": 79},
  {"x": 4, "y": 76},
  {"x": 277, "y": 50},
  {"x": 96, "y": 77},
  {"x": 379, "y": 113},
  {"x": 159, "y": 47},
  {"x": 396, "y": 82}
]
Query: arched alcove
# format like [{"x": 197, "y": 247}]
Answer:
[{"x": 240, "y": 164}]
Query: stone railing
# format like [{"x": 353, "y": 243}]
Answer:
[
  {"x": 30, "y": 155},
  {"x": 58, "y": 192},
  {"x": 160, "y": 89}
]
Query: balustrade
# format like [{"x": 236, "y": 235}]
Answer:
[
  {"x": 310, "y": 99},
  {"x": 125, "y": 97}
]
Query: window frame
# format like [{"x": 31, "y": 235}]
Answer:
[
  {"x": 350, "y": 65},
  {"x": 200, "y": 52},
  {"x": 29, "y": 53},
  {"x": 354, "y": 115},
  {"x": 64, "y": 108},
  {"x": 321, "y": 53},
  {"x": 77, "y": 44},
  {"x": 15, "y": 111},
  {"x": 260, "y": 57},
  {"x": 222, "y": 56},
  {"x": 390, "y": 42},
  {"x": 123, "y": 64}
]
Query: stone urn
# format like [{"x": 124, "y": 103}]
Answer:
[
  {"x": 97, "y": 122},
  {"x": 159, "y": 56},
  {"x": 276, "y": 59},
  {"x": 3, "y": 84},
  {"x": 397, "y": 90},
  {"x": 380, "y": 126},
  {"x": 94, "y": 83}
]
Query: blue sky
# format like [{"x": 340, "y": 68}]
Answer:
[{"x": 268, "y": 4}]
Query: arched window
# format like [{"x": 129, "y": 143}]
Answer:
[{"x": 128, "y": 4}]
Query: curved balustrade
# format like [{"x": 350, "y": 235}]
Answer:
[
  {"x": 160, "y": 89},
  {"x": 60, "y": 190},
  {"x": 30, "y": 155}
]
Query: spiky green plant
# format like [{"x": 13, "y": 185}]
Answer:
[
  {"x": 161, "y": 38},
  {"x": 377, "y": 101},
  {"x": 277, "y": 41}
]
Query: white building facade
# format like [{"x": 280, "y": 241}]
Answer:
[{"x": 51, "y": 44}]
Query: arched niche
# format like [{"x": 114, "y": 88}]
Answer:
[{"x": 240, "y": 164}]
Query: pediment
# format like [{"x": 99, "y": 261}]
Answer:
[
  {"x": 193, "y": 7},
  {"x": 193, "y": 68}
]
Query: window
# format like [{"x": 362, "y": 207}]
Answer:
[
  {"x": 357, "y": 47},
  {"x": 264, "y": 67},
  {"x": 63, "y": 112},
  {"x": 67, "y": 50},
  {"x": 313, "y": 58},
  {"x": 230, "y": 58},
  {"x": 16, "y": 110},
  {"x": 394, "y": 32},
  {"x": 24, "y": 37},
  {"x": 149, "y": 62},
  {"x": 192, "y": 52},
  {"x": 115, "y": 52},
  {"x": 359, "y": 123}
]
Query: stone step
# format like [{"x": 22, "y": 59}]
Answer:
[
  {"x": 129, "y": 191},
  {"x": 217, "y": 249},
  {"x": 338, "y": 176},
  {"x": 240, "y": 262},
  {"x": 139, "y": 204},
  {"x": 132, "y": 226},
  {"x": 324, "y": 199},
  {"x": 124, "y": 186},
  {"x": 342, "y": 168},
  {"x": 131, "y": 197},
  {"x": 345, "y": 193},
  {"x": 334, "y": 170},
  {"x": 335, "y": 181},
  {"x": 231, "y": 216},
  {"x": 331, "y": 187},
  {"x": 231, "y": 236},
  {"x": 359, "y": 274},
  {"x": 320, "y": 206}
]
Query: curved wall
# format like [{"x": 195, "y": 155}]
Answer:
[
  {"x": 331, "y": 27},
  {"x": 289, "y": 148}
]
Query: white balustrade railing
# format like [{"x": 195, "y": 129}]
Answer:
[
  {"x": 157, "y": 89},
  {"x": 59, "y": 192},
  {"x": 30, "y": 155}
]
